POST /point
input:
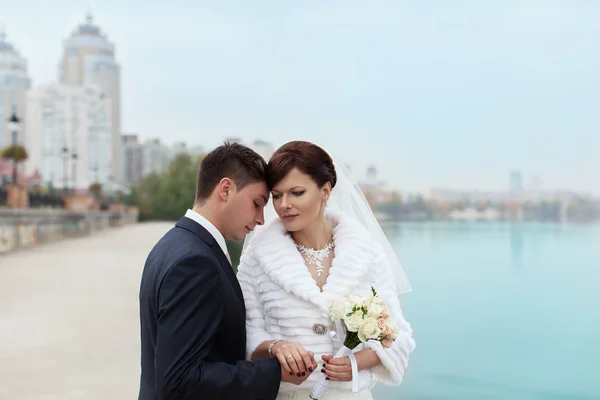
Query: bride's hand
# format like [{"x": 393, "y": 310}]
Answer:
[
  {"x": 337, "y": 369},
  {"x": 294, "y": 358}
]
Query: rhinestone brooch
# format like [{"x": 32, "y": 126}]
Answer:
[{"x": 319, "y": 329}]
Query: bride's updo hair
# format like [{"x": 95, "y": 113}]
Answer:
[{"x": 307, "y": 157}]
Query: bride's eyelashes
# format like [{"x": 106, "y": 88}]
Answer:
[{"x": 295, "y": 193}]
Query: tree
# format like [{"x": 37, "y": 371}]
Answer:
[
  {"x": 177, "y": 189},
  {"x": 144, "y": 193},
  {"x": 96, "y": 190},
  {"x": 132, "y": 198},
  {"x": 18, "y": 154},
  {"x": 167, "y": 196}
]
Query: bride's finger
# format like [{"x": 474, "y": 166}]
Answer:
[
  {"x": 338, "y": 368},
  {"x": 338, "y": 376},
  {"x": 338, "y": 361},
  {"x": 284, "y": 363},
  {"x": 299, "y": 362},
  {"x": 290, "y": 359},
  {"x": 307, "y": 359},
  {"x": 313, "y": 360}
]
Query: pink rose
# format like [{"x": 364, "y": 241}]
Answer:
[
  {"x": 386, "y": 312},
  {"x": 382, "y": 322}
]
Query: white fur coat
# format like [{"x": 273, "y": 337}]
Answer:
[{"x": 284, "y": 302}]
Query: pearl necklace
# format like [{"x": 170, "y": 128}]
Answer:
[{"x": 315, "y": 257}]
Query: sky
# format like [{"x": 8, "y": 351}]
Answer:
[{"x": 434, "y": 93}]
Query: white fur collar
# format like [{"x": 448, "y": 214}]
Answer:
[{"x": 278, "y": 257}]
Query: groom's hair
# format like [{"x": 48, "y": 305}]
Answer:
[{"x": 235, "y": 161}]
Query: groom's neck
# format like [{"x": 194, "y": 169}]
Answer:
[{"x": 208, "y": 211}]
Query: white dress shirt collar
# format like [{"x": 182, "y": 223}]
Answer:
[{"x": 206, "y": 224}]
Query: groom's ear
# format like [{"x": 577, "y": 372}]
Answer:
[{"x": 225, "y": 188}]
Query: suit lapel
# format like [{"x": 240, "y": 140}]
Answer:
[
  {"x": 226, "y": 265},
  {"x": 200, "y": 231}
]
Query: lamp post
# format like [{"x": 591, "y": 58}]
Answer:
[
  {"x": 13, "y": 126},
  {"x": 95, "y": 169},
  {"x": 74, "y": 157},
  {"x": 65, "y": 154}
]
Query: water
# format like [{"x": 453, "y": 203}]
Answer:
[{"x": 501, "y": 311}]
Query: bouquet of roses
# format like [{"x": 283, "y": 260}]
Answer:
[{"x": 364, "y": 319}]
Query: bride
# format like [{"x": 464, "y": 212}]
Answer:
[{"x": 323, "y": 244}]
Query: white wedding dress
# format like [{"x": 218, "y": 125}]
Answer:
[
  {"x": 284, "y": 302},
  {"x": 330, "y": 394}
]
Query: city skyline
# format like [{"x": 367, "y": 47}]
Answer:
[
  {"x": 69, "y": 127},
  {"x": 471, "y": 92}
]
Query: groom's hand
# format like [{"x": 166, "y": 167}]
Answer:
[{"x": 295, "y": 360}]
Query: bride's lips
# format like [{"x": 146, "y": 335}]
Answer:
[{"x": 290, "y": 217}]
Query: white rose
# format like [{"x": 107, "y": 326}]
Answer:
[
  {"x": 369, "y": 330},
  {"x": 348, "y": 307},
  {"x": 375, "y": 310},
  {"x": 356, "y": 300},
  {"x": 354, "y": 322},
  {"x": 337, "y": 310},
  {"x": 340, "y": 309}
]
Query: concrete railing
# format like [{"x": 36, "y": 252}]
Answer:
[{"x": 26, "y": 228}]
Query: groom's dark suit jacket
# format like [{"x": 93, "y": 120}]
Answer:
[{"x": 193, "y": 324}]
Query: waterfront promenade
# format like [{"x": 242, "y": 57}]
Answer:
[{"x": 69, "y": 316}]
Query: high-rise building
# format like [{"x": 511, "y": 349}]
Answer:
[
  {"x": 371, "y": 173},
  {"x": 133, "y": 158},
  {"x": 14, "y": 83},
  {"x": 89, "y": 58},
  {"x": 157, "y": 156},
  {"x": 516, "y": 183},
  {"x": 182, "y": 147},
  {"x": 69, "y": 135}
]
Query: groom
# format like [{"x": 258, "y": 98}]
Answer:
[{"x": 192, "y": 311}]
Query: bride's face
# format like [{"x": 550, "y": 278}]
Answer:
[{"x": 298, "y": 200}]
